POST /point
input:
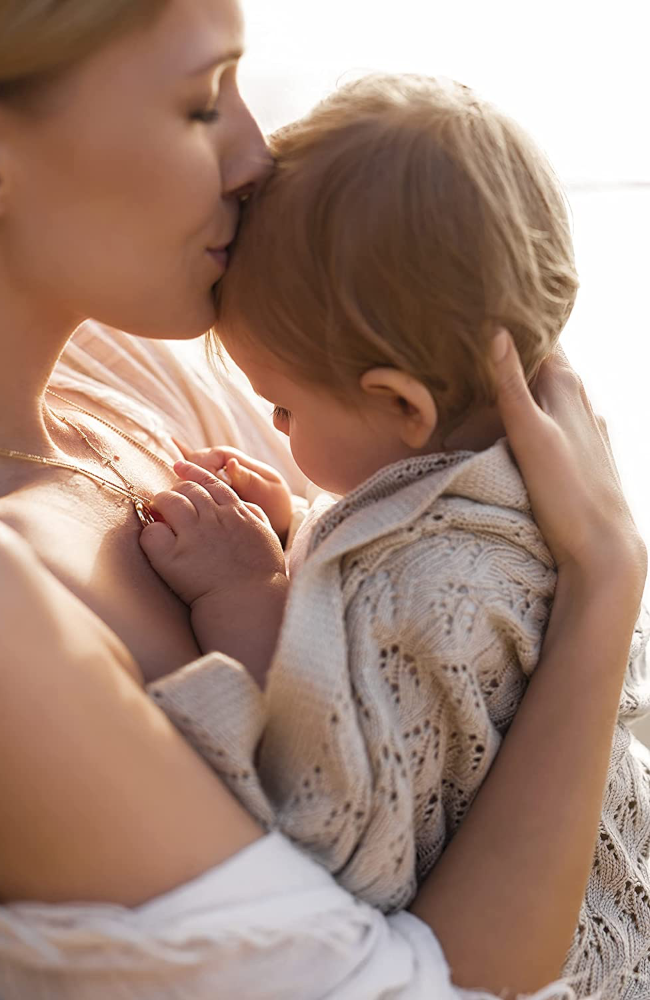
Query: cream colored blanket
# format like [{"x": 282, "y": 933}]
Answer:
[{"x": 412, "y": 626}]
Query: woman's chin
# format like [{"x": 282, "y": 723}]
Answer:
[{"x": 173, "y": 326}]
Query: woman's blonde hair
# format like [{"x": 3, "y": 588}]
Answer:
[
  {"x": 40, "y": 39},
  {"x": 405, "y": 220}
]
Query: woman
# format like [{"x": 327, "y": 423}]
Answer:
[{"x": 124, "y": 151}]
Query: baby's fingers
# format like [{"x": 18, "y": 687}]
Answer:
[
  {"x": 157, "y": 542},
  {"x": 259, "y": 514},
  {"x": 261, "y": 469},
  {"x": 249, "y": 485},
  {"x": 219, "y": 491},
  {"x": 184, "y": 449}
]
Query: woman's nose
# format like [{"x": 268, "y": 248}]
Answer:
[{"x": 250, "y": 161}]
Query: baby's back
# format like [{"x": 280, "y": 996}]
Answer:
[{"x": 412, "y": 627}]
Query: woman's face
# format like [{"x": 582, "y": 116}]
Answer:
[{"x": 122, "y": 180}]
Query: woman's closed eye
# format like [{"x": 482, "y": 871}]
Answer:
[
  {"x": 280, "y": 414},
  {"x": 207, "y": 116}
]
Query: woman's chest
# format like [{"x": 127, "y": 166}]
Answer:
[{"x": 89, "y": 540}]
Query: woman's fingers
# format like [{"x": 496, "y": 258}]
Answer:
[
  {"x": 557, "y": 386},
  {"x": 519, "y": 411},
  {"x": 566, "y": 462}
]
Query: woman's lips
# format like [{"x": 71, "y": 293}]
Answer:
[{"x": 220, "y": 255}]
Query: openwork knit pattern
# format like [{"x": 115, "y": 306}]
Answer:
[{"x": 412, "y": 628}]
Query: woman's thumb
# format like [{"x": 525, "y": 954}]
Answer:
[{"x": 514, "y": 398}]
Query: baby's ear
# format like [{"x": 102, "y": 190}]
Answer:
[{"x": 407, "y": 399}]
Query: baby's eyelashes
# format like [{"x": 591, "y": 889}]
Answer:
[{"x": 281, "y": 418}]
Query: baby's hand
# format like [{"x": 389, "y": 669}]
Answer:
[
  {"x": 251, "y": 480},
  {"x": 220, "y": 556}
]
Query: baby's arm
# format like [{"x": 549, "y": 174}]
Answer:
[{"x": 220, "y": 556}]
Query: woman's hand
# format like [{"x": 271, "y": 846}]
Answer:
[
  {"x": 220, "y": 556},
  {"x": 564, "y": 455}
]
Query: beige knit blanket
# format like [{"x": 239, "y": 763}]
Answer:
[{"x": 412, "y": 626}]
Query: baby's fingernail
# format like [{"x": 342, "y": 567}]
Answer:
[{"x": 499, "y": 346}]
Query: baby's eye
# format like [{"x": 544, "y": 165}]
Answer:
[{"x": 280, "y": 414}]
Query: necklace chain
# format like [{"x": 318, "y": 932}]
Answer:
[
  {"x": 118, "y": 430},
  {"x": 105, "y": 460},
  {"x": 127, "y": 490}
]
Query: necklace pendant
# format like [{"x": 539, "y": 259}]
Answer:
[{"x": 144, "y": 513}]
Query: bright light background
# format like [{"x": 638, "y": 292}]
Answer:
[{"x": 577, "y": 75}]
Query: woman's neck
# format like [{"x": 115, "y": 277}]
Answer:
[{"x": 31, "y": 344}]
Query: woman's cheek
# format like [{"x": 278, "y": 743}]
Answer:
[{"x": 197, "y": 185}]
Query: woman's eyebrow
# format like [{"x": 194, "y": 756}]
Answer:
[{"x": 229, "y": 57}]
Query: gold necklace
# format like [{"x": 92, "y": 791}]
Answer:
[
  {"x": 140, "y": 503},
  {"x": 127, "y": 490},
  {"x": 118, "y": 430}
]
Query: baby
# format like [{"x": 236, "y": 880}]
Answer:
[{"x": 406, "y": 221}]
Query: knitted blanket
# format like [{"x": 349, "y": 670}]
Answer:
[{"x": 412, "y": 626}]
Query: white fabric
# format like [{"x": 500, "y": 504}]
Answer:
[
  {"x": 269, "y": 924},
  {"x": 412, "y": 625}
]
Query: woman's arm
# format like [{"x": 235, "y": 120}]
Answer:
[
  {"x": 102, "y": 798},
  {"x": 504, "y": 898}
]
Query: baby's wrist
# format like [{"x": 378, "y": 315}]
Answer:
[
  {"x": 222, "y": 623},
  {"x": 204, "y": 616}
]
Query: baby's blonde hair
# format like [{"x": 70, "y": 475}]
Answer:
[
  {"x": 40, "y": 39},
  {"x": 405, "y": 220}
]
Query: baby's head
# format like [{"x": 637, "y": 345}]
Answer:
[{"x": 405, "y": 221}]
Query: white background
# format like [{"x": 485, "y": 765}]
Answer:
[{"x": 576, "y": 74}]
